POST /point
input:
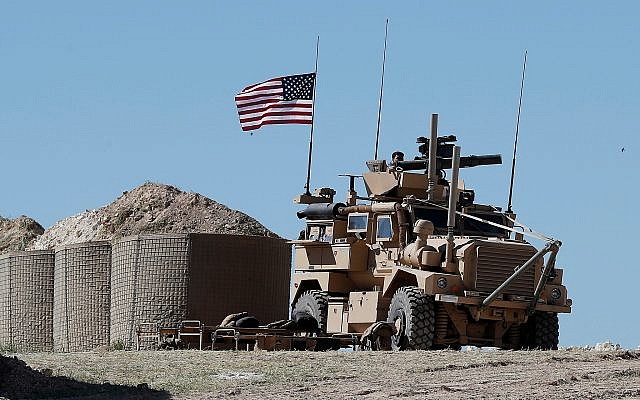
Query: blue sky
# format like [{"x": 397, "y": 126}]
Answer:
[{"x": 97, "y": 98}]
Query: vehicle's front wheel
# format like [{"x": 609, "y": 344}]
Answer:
[
  {"x": 541, "y": 331},
  {"x": 310, "y": 311},
  {"x": 413, "y": 314}
]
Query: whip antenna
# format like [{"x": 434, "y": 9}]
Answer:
[
  {"x": 515, "y": 144},
  {"x": 384, "y": 60},
  {"x": 313, "y": 106}
]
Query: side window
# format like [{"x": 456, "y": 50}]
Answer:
[
  {"x": 314, "y": 233},
  {"x": 320, "y": 233},
  {"x": 384, "y": 229},
  {"x": 357, "y": 222},
  {"x": 328, "y": 235}
]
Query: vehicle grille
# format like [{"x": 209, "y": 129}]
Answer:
[{"x": 496, "y": 264}]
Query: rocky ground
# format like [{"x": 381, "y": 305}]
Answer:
[
  {"x": 19, "y": 233},
  {"x": 149, "y": 208},
  {"x": 446, "y": 374}
]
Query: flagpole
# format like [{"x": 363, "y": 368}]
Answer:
[
  {"x": 313, "y": 105},
  {"x": 384, "y": 61}
]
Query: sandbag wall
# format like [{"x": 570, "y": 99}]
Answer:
[
  {"x": 169, "y": 278},
  {"x": 81, "y": 303},
  {"x": 26, "y": 300}
]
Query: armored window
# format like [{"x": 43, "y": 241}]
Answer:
[
  {"x": 357, "y": 222},
  {"x": 328, "y": 234},
  {"x": 384, "y": 230},
  {"x": 473, "y": 227},
  {"x": 314, "y": 233},
  {"x": 437, "y": 216}
]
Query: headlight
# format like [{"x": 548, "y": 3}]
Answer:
[
  {"x": 442, "y": 283},
  {"x": 556, "y": 293}
]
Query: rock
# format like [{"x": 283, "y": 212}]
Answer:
[
  {"x": 607, "y": 346},
  {"x": 18, "y": 234}
]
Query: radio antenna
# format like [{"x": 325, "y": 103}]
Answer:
[
  {"x": 515, "y": 144},
  {"x": 384, "y": 60}
]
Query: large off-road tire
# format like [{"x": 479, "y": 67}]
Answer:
[
  {"x": 413, "y": 314},
  {"x": 314, "y": 303},
  {"x": 541, "y": 331}
]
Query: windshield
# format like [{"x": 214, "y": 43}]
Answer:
[
  {"x": 470, "y": 227},
  {"x": 473, "y": 227},
  {"x": 357, "y": 222},
  {"x": 437, "y": 216}
]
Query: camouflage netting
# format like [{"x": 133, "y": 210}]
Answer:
[
  {"x": 19, "y": 233},
  {"x": 165, "y": 279},
  {"x": 150, "y": 208},
  {"x": 81, "y": 303},
  {"x": 26, "y": 300}
]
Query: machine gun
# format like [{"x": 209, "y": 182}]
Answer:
[{"x": 444, "y": 155}]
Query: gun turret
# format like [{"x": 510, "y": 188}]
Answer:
[
  {"x": 444, "y": 149},
  {"x": 444, "y": 155}
]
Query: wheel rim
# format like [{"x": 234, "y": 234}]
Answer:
[{"x": 398, "y": 339}]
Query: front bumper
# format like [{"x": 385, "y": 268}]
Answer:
[{"x": 506, "y": 304}]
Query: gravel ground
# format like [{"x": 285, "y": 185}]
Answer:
[
  {"x": 150, "y": 208},
  {"x": 19, "y": 233},
  {"x": 190, "y": 375}
]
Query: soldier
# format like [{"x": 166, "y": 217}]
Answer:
[{"x": 396, "y": 156}]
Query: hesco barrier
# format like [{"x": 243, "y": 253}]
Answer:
[
  {"x": 26, "y": 300},
  {"x": 234, "y": 273},
  {"x": 169, "y": 278},
  {"x": 81, "y": 302},
  {"x": 149, "y": 283}
]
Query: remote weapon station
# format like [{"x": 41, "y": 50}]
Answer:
[{"x": 441, "y": 270}]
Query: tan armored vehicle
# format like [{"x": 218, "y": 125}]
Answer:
[{"x": 420, "y": 254}]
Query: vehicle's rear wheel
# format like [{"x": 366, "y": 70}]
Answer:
[
  {"x": 541, "y": 331},
  {"x": 310, "y": 311},
  {"x": 413, "y": 314}
]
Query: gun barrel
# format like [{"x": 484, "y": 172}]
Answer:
[
  {"x": 445, "y": 163},
  {"x": 320, "y": 211},
  {"x": 474, "y": 161}
]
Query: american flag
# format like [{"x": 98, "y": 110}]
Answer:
[{"x": 283, "y": 100}]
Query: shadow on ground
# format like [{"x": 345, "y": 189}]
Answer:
[{"x": 19, "y": 381}]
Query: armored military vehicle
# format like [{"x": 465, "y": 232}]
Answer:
[{"x": 422, "y": 255}]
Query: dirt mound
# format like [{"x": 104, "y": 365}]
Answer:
[
  {"x": 19, "y": 233},
  {"x": 19, "y": 381},
  {"x": 150, "y": 208}
]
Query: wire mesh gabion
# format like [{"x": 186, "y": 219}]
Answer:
[
  {"x": 81, "y": 302},
  {"x": 26, "y": 300},
  {"x": 167, "y": 278},
  {"x": 149, "y": 283}
]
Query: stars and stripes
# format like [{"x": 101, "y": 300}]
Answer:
[{"x": 282, "y": 100}]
